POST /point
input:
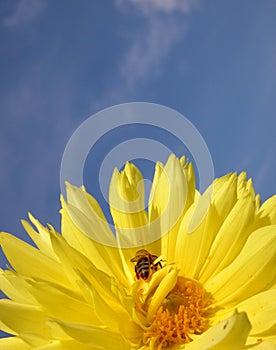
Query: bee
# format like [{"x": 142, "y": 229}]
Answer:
[{"x": 146, "y": 264}]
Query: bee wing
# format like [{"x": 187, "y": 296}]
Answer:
[
  {"x": 140, "y": 254},
  {"x": 136, "y": 258}
]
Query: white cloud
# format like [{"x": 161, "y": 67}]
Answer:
[
  {"x": 145, "y": 55},
  {"x": 167, "y": 6},
  {"x": 148, "y": 48},
  {"x": 143, "y": 59},
  {"x": 147, "y": 51},
  {"x": 25, "y": 11}
]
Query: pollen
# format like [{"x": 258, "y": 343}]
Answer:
[{"x": 183, "y": 313}]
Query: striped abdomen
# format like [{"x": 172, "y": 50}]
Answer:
[{"x": 142, "y": 268}]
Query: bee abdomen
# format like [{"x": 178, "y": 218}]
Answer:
[{"x": 143, "y": 268}]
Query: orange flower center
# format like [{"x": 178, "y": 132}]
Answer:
[{"x": 183, "y": 313}]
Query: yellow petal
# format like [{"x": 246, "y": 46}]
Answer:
[
  {"x": 163, "y": 289},
  {"x": 13, "y": 343},
  {"x": 86, "y": 218},
  {"x": 33, "y": 339},
  {"x": 261, "y": 310},
  {"x": 131, "y": 331},
  {"x": 261, "y": 344},
  {"x": 268, "y": 209},
  {"x": 250, "y": 272},
  {"x": 104, "y": 303},
  {"x": 126, "y": 198},
  {"x": 250, "y": 188},
  {"x": 92, "y": 213},
  {"x": 157, "y": 278},
  {"x": 99, "y": 294},
  {"x": 40, "y": 237},
  {"x": 15, "y": 287},
  {"x": 230, "y": 238},
  {"x": 154, "y": 202},
  {"x": 22, "y": 318},
  {"x": 245, "y": 186},
  {"x": 62, "y": 303},
  {"x": 66, "y": 345},
  {"x": 192, "y": 248},
  {"x": 169, "y": 200},
  {"x": 80, "y": 198},
  {"x": 29, "y": 261},
  {"x": 231, "y": 334},
  {"x": 225, "y": 194},
  {"x": 191, "y": 182},
  {"x": 111, "y": 317},
  {"x": 131, "y": 220},
  {"x": 106, "y": 258},
  {"x": 95, "y": 336},
  {"x": 81, "y": 268}
]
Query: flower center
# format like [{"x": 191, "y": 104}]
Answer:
[{"x": 183, "y": 313}]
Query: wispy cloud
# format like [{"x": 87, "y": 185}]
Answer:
[
  {"x": 143, "y": 60},
  {"x": 24, "y": 12},
  {"x": 167, "y": 6},
  {"x": 145, "y": 55},
  {"x": 149, "y": 46}
]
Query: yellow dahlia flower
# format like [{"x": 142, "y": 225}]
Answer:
[{"x": 211, "y": 287}]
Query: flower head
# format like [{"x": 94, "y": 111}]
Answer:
[{"x": 193, "y": 271}]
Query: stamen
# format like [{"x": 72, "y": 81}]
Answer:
[{"x": 182, "y": 314}]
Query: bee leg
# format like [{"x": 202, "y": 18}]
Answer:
[{"x": 157, "y": 266}]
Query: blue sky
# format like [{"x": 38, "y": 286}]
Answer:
[{"x": 61, "y": 61}]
